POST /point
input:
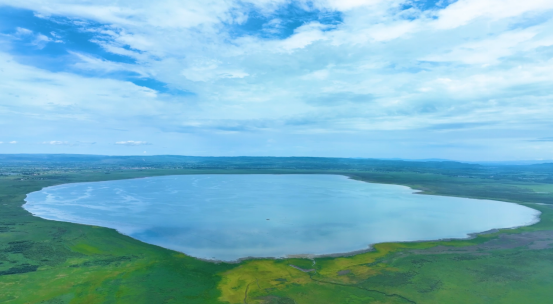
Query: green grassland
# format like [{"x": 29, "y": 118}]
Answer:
[{"x": 55, "y": 262}]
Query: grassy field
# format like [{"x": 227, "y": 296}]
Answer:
[{"x": 54, "y": 262}]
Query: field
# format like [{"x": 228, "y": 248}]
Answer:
[{"x": 55, "y": 262}]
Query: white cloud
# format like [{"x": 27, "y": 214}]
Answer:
[
  {"x": 207, "y": 70},
  {"x": 23, "y": 31},
  {"x": 319, "y": 75},
  {"x": 400, "y": 29},
  {"x": 55, "y": 142},
  {"x": 346, "y": 5},
  {"x": 132, "y": 143},
  {"x": 472, "y": 63},
  {"x": 304, "y": 36},
  {"x": 67, "y": 96},
  {"x": 38, "y": 40},
  {"x": 487, "y": 51},
  {"x": 464, "y": 11},
  {"x": 90, "y": 63},
  {"x": 13, "y": 142}
]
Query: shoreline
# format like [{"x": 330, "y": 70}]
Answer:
[{"x": 370, "y": 247}]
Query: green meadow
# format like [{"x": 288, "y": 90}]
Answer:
[{"x": 45, "y": 261}]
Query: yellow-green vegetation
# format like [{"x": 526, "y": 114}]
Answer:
[
  {"x": 254, "y": 277},
  {"x": 55, "y": 262},
  {"x": 485, "y": 269}
]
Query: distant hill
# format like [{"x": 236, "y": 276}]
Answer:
[
  {"x": 34, "y": 164},
  {"x": 486, "y": 163}
]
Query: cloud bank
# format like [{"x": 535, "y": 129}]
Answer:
[{"x": 460, "y": 79}]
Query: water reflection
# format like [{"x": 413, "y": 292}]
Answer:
[{"x": 233, "y": 216}]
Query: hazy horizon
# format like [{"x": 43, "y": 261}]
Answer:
[{"x": 508, "y": 162}]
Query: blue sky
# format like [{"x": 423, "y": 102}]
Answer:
[{"x": 465, "y": 80}]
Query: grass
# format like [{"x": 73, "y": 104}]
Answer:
[{"x": 55, "y": 262}]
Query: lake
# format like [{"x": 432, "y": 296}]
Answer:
[{"x": 228, "y": 217}]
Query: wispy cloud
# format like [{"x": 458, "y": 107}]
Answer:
[
  {"x": 67, "y": 143},
  {"x": 55, "y": 142},
  {"x": 19, "y": 31},
  {"x": 132, "y": 143},
  {"x": 257, "y": 69},
  {"x": 543, "y": 139}
]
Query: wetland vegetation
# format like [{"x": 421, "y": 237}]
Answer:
[{"x": 45, "y": 261}]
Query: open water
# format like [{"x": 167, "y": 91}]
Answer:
[{"x": 227, "y": 217}]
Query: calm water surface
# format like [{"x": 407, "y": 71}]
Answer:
[{"x": 227, "y": 217}]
